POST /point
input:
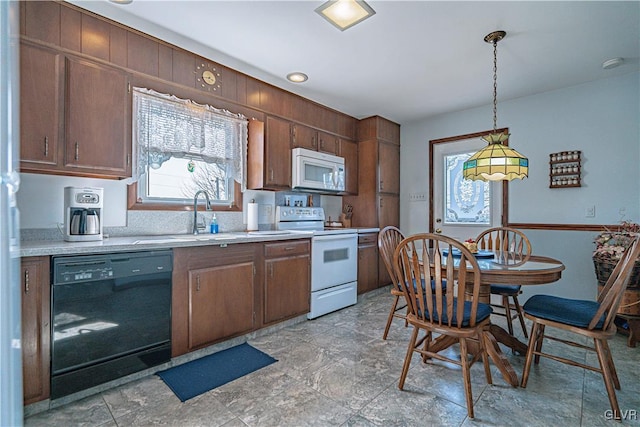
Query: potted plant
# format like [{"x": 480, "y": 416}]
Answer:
[{"x": 609, "y": 248}]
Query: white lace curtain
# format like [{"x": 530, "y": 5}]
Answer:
[{"x": 165, "y": 126}]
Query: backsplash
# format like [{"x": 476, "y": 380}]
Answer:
[{"x": 40, "y": 201}]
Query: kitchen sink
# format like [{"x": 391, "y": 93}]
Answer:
[{"x": 185, "y": 238}]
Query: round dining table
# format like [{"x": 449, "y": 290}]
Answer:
[{"x": 537, "y": 270}]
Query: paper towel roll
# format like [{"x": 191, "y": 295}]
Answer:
[{"x": 252, "y": 216}]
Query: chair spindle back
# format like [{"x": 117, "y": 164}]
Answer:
[{"x": 428, "y": 278}]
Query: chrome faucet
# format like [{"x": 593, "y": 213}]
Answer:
[{"x": 195, "y": 208}]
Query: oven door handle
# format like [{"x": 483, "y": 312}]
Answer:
[{"x": 335, "y": 237}]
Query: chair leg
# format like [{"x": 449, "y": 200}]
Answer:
[
  {"x": 612, "y": 366},
  {"x": 393, "y": 310},
  {"x": 533, "y": 339},
  {"x": 520, "y": 315},
  {"x": 507, "y": 312},
  {"x": 607, "y": 376},
  {"x": 466, "y": 376},
  {"x": 539, "y": 341},
  {"x": 485, "y": 356},
  {"x": 407, "y": 358}
]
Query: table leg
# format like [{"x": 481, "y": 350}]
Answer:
[
  {"x": 493, "y": 349},
  {"x": 634, "y": 331},
  {"x": 498, "y": 358},
  {"x": 507, "y": 339}
]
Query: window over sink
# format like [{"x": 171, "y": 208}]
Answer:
[{"x": 181, "y": 147}]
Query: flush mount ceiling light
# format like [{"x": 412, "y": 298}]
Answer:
[
  {"x": 612, "y": 63},
  {"x": 345, "y": 14},
  {"x": 121, "y": 1},
  {"x": 297, "y": 77},
  {"x": 496, "y": 162}
]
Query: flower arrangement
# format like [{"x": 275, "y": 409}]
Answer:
[
  {"x": 611, "y": 244},
  {"x": 471, "y": 245}
]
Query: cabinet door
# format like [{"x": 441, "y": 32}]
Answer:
[
  {"x": 328, "y": 143},
  {"x": 367, "y": 263},
  {"x": 388, "y": 210},
  {"x": 98, "y": 115},
  {"x": 278, "y": 153},
  {"x": 220, "y": 303},
  {"x": 349, "y": 150},
  {"x": 389, "y": 167},
  {"x": 287, "y": 287},
  {"x": 41, "y": 79},
  {"x": 35, "y": 328},
  {"x": 304, "y": 137}
]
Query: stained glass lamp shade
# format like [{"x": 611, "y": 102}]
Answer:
[{"x": 496, "y": 162}]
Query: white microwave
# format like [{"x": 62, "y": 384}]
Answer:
[{"x": 315, "y": 171}]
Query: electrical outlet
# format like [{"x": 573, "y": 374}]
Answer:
[
  {"x": 417, "y": 197},
  {"x": 590, "y": 212}
]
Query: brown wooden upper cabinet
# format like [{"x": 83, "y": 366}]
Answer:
[
  {"x": 306, "y": 137},
  {"x": 349, "y": 150},
  {"x": 98, "y": 120},
  {"x": 75, "y": 116},
  {"x": 389, "y": 164},
  {"x": 41, "y": 83},
  {"x": 269, "y": 154},
  {"x": 328, "y": 143}
]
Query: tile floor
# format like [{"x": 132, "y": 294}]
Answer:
[{"x": 337, "y": 370}]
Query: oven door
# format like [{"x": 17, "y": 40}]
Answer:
[{"x": 334, "y": 260}]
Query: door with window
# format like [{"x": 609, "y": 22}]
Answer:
[{"x": 462, "y": 208}]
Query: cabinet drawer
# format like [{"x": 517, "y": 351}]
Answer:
[
  {"x": 367, "y": 238},
  {"x": 274, "y": 250}
]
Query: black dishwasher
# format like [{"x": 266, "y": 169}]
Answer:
[{"x": 111, "y": 316}]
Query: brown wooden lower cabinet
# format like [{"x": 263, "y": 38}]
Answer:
[
  {"x": 36, "y": 341},
  {"x": 214, "y": 295},
  {"x": 287, "y": 279},
  {"x": 220, "y": 292},
  {"x": 367, "y": 262}
]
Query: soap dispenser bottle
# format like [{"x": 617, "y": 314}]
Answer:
[{"x": 214, "y": 225}]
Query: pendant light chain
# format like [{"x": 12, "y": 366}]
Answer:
[{"x": 495, "y": 85}]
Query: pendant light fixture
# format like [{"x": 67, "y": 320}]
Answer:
[{"x": 496, "y": 161}]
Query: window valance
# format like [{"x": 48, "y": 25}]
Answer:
[{"x": 166, "y": 126}]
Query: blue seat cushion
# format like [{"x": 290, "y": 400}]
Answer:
[
  {"x": 563, "y": 310},
  {"x": 505, "y": 289},
  {"x": 483, "y": 311}
]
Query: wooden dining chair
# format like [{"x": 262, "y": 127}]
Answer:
[
  {"x": 450, "y": 308},
  {"x": 511, "y": 247},
  {"x": 388, "y": 239},
  {"x": 591, "y": 319}
]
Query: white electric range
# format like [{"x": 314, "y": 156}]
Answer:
[{"x": 334, "y": 258}]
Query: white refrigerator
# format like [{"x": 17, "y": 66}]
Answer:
[{"x": 11, "y": 413}]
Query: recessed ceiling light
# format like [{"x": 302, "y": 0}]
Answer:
[
  {"x": 612, "y": 63},
  {"x": 297, "y": 77},
  {"x": 344, "y": 14}
]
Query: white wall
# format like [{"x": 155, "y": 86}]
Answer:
[
  {"x": 599, "y": 118},
  {"x": 41, "y": 199}
]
